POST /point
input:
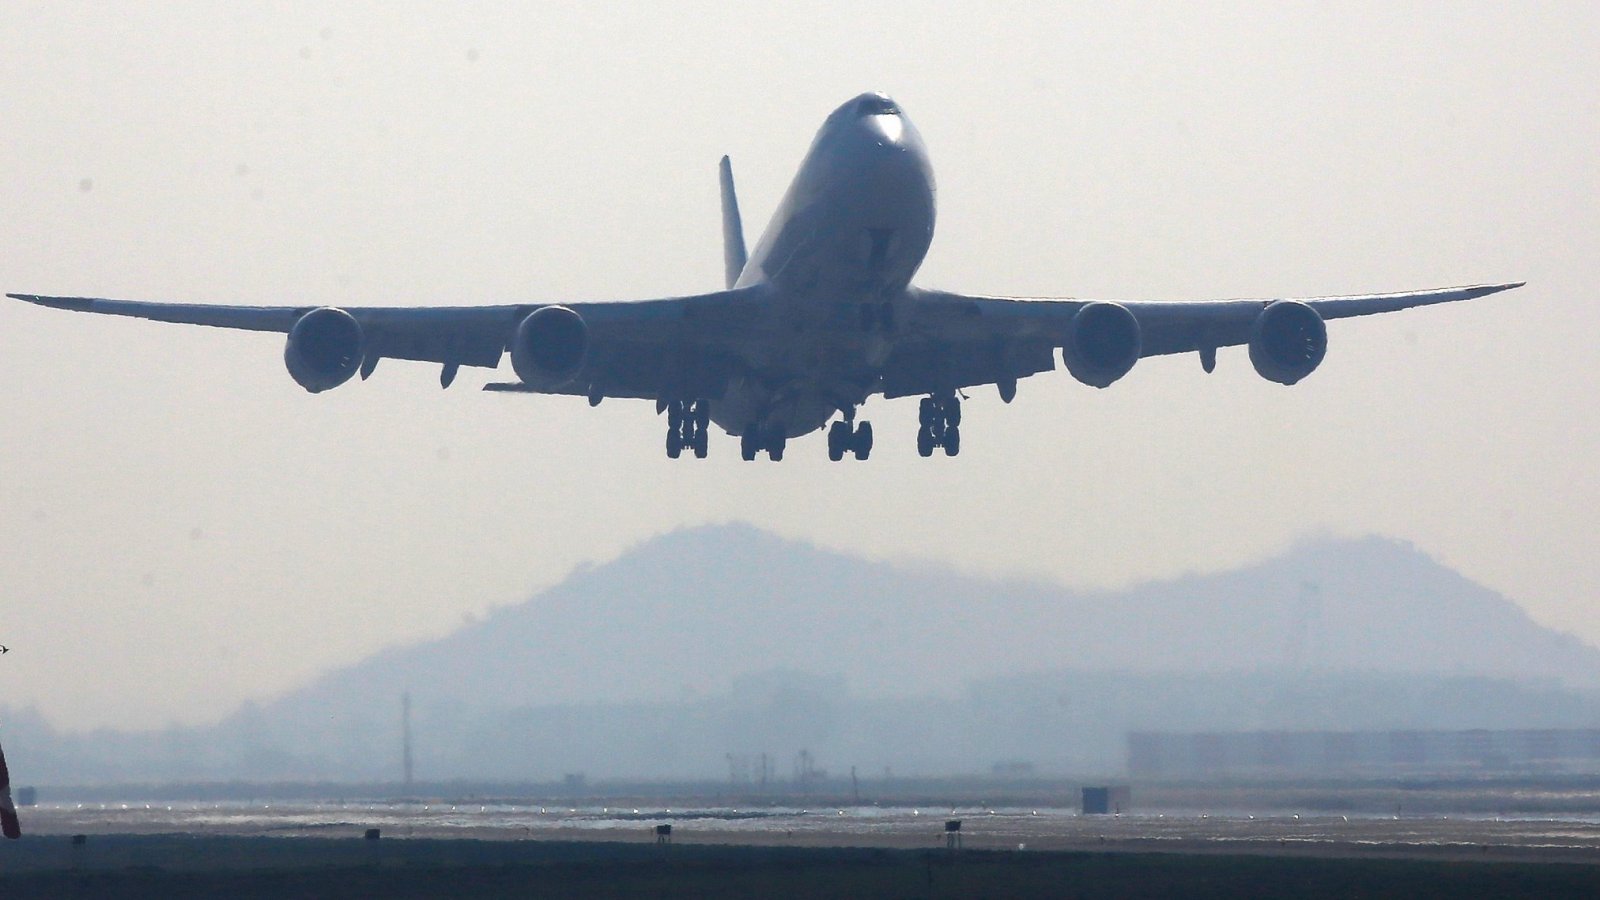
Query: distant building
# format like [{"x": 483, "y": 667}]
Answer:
[
  {"x": 1363, "y": 752},
  {"x": 1103, "y": 801}
]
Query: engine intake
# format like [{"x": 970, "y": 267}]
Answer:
[
  {"x": 1102, "y": 343},
  {"x": 324, "y": 349},
  {"x": 550, "y": 347},
  {"x": 1288, "y": 341}
]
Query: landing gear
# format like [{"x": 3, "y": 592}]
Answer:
[
  {"x": 759, "y": 437},
  {"x": 844, "y": 438},
  {"x": 687, "y": 422},
  {"x": 940, "y": 421}
]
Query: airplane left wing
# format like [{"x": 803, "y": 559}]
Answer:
[
  {"x": 634, "y": 347},
  {"x": 960, "y": 340}
]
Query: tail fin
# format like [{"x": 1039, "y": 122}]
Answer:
[
  {"x": 733, "y": 257},
  {"x": 9, "y": 826}
]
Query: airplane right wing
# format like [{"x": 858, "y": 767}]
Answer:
[{"x": 961, "y": 340}]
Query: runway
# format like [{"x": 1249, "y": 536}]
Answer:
[
  {"x": 319, "y": 849},
  {"x": 1570, "y": 840}
]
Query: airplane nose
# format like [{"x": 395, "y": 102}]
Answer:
[{"x": 888, "y": 130}]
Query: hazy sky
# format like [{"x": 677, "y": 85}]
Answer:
[{"x": 183, "y": 526}]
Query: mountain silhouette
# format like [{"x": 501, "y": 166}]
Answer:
[
  {"x": 690, "y": 612},
  {"x": 724, "y": 639}
]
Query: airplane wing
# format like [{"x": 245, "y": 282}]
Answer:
[
  {"x": 645, "y": 348},
  {"x": 960, "y": 340}
]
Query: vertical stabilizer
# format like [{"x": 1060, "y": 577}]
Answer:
[
  {"x": 732, "y": 227},
  {"x": 8, "y": 810}
]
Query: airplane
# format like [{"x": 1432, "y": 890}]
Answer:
[{"x": 817, "y": 319}]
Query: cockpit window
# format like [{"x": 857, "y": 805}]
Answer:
[{"x": 876, "y": 106}]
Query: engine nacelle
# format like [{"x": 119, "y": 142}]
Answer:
[
  {"x": 550, "y": 347},
  {"x": 325, "y": 348},
  {"x": 1102, "y": 343},
  {"x": 1288, "y": 341}
]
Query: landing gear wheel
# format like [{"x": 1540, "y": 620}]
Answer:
[
  {"x": 749, "y": 444},
  {"x": 688, "y": 424},
  {"x": 838, "y": 438},
  {"x": 861, "y": 443},
  {"x": 940, "y": 418}
]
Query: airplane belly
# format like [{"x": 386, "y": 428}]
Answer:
[{"x": 798, "y": 408}]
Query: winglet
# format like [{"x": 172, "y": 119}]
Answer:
[{"x": 733, "y": 257}]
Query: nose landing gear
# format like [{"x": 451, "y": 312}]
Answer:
[{"x": 940, "y": 420}]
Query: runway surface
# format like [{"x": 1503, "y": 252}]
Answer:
[{"x": 1573, "y": 840}]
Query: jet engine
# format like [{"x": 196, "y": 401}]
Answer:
[
  {"x": 550, "y": 346},
  {"x": 324, "y": 349},
  {"x": 1288, "y": 341},
  {"x": 1102, "y": 343}
]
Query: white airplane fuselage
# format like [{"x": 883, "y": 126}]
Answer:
[{"x": 836, "y": 259}]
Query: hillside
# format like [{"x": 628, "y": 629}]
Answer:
[
  {"x": 725, "y": 639},
  {"x": 690, "y": 612}
]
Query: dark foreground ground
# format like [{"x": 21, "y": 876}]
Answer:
[{"x": 176, "y": 866}]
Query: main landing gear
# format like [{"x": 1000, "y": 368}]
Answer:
[
  {"x": 940, "y": 418},
  {"x": 757, "y": 438},
  {"x": 686, "y": 427},
  {"x": 844, "y": 437}
]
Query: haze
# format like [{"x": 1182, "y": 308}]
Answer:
[{"x": 183, "y": 527}]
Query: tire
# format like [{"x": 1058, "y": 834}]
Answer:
[
  {"x": 836, "y": 441},
  {"x": 701, "y": 444},
  {"x": 952, "y": 413},
  {"x": 674, "y": 416},
  {"x": 925, "y": 442},
  {"x": 674, "y": 444},
  {"x": 952, "y": 441},
  {"x": 862, "y": 440},
  {"x": 927, "y": 412},
  {"x": 748, "y": 447}
]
